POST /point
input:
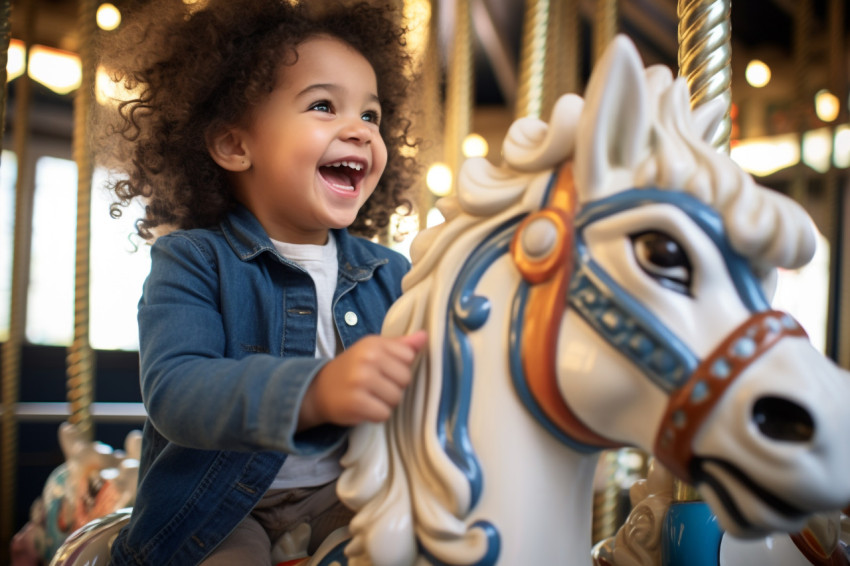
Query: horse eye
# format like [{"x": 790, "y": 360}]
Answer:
[{"x": 663, "y": 259}]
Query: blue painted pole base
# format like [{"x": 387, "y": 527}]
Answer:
[{"x": 691, "y": 536}]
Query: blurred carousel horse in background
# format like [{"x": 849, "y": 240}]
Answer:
[{"x": 94, "y": 480}]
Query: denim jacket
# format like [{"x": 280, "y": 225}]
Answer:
[{"x": 227, "y": 332}]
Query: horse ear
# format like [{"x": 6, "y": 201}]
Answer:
[{"x": 614, "y": 128}]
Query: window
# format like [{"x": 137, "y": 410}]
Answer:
[
  {"x": 8, "y": 174},
  {"x": 50, "y": 299},
  {"x": 119, "y": 260},
  {"x": 804, "y": 293}
]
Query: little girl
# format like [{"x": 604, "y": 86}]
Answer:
[{"x": 263, "y": 136}]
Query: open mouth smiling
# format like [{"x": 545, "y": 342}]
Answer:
[{"x": 343, "y": 175}]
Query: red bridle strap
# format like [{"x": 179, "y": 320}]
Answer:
[{"x": 689, "y": 406}]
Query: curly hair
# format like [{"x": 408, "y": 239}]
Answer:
[{"x": 194, "y": 70}]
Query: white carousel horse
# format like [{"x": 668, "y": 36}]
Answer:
[
  {"x": 630, "y": 312},
  {"x": 601, "y": 287}
]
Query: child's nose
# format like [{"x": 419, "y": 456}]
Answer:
[{"x": 356, "y": 130}]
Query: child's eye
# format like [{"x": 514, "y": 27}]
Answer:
[
  {"x": 321, "y": 106},
  {"x": 371, "y": 116}
]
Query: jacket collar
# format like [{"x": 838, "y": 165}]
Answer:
[{"x": 248, "y": 239}]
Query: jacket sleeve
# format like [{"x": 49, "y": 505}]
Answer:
[{"x": 194, "y": 395}]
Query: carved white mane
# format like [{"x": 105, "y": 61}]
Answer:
[{"x": 398, "y": 477}]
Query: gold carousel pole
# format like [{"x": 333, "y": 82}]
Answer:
[
  {"x": 803, "y": 25},
  {"x": 605, "y": 26},
  {"x": 562, "y": 62},
  {"x": 20, "y": 274},
  {"x": 568, "y": 42},
  {"x": 705, "y": 56},
  {"x": 606, "y": 493},
  {"x": 8, "y": 440},
  {"x": 80, "y": 362},
  {"x": 533, "y": 56},
  {"x": 428, "y": 66},
  {"x": 705, "y": 60},
  {"x": 606, "y": 507},
  {"x": 835, "y": 193},
  {"x": 459, "y": 90},
  {"x": 5, "y": 39}
]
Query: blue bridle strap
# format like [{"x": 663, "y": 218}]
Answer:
[
  {"x": 748, "y": 286},
  {"x": 622, "y": 320}
]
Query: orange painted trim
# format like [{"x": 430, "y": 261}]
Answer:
[
  {"x": 811, "y": 549},
  {"x": 549, "y": 277},
  {"x": 685, "y": 415}
]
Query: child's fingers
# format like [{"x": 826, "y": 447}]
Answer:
[
  {"x": 405, "y": 348},
  {"x": 388, "y": 390},
  {"x": 401, "y": 353},
  {"x": 396, "y": 371},
  {"x": 415, "y": 340},
  {"x": 368, "y": 408},
  {"x": 365, "y": 382}
]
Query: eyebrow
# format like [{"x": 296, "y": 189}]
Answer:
[{"x": 333, "y": 88}]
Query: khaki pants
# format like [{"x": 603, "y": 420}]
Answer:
[{"x": 278, "y": 512}]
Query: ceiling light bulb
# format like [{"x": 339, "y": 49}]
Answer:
[
  {"x": 475, "y": 145},
  {"x": 108, "y": 17},
  {"x": 439, "y": 179},
  {"x": 826, "y": 105},
  {"x": 757, "y": 73}
]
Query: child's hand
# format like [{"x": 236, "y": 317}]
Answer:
[{"x": 363, "y": 383}]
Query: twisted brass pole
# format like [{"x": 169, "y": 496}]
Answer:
[
  {"x": 8, "y": 439},
  {"x": 552, "y": 65},
  {"x": 606, "y": 518},
  {"x": 431, "y": 117},
  {"x": 705, "y": 60},
  {"x": 568, "y": 41},
  {"x": 533, "y": 59},
  {"x": 604, "y": 27},
  {"x": 838, "y": 318},
  {"x": 80, "y": 361},
  {"x": 20, "y": 276},
  {"x": 838, "y": 56},
  {"x": 803, "y": 25},
  {"x": 705, "y": 56},
  {"x": 5, "y": 39},
  {"x": 459, "y": 90},
  {"x": 606, "y": 498},
  {"x": 562, "y": 64}
]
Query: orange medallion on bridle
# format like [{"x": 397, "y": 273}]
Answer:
[{"x": 548, "y": 273}]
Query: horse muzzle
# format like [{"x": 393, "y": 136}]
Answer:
[{"x": 761, "y": 428}]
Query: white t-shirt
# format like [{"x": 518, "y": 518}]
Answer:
[{"x": 321, "y": 264}]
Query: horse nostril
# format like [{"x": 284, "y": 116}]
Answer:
[{"x": 783, "y": 420}]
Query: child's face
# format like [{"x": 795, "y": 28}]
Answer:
[{"x": 314, "y": 147}]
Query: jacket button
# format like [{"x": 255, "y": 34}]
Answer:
[{"x": 350, "y": 318}]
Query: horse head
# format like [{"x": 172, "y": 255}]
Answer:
[
  {"x": 669, "y": 342},
  {"x": 615, "y": 269}
]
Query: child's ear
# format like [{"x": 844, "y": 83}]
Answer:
[{"x": 227, "y": 148}]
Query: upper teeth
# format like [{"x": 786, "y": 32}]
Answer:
[{"x": 352, "y": 164}]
